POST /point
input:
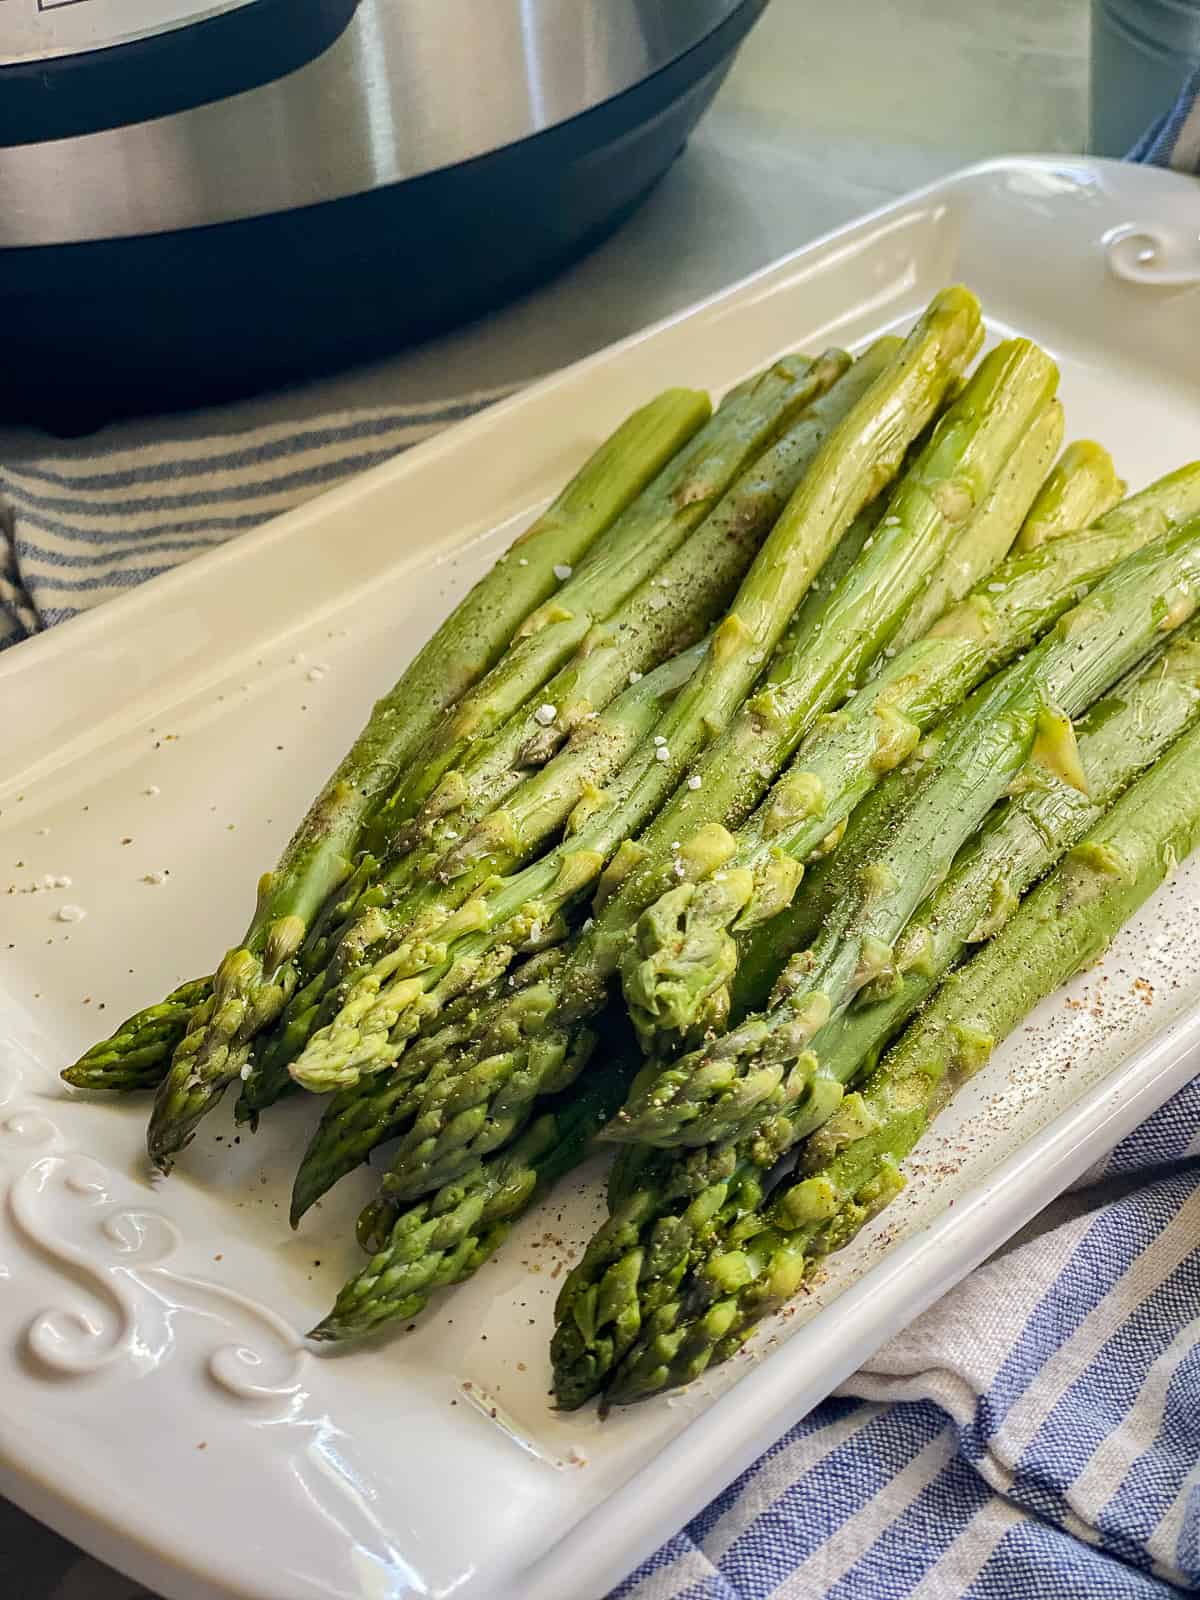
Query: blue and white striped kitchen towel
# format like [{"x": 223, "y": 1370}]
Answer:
[
  {"x": 78, "y": 526},
  {"x": 1036, "y": 1433}
]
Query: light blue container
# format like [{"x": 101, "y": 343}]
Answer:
[{"x": 1142, "y": 50}]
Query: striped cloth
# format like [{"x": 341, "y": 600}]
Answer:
[
  {"x": 1174, "y": 140},
  {"x": 1036, "y": 1433},
  {"x": 78, "y": 526}
]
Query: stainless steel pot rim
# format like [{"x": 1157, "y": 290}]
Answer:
[{"x": 411, "y": 87}]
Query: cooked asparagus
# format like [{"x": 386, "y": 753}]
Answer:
[
  {"x": 593, "y": 523},
  {"x": 446, "y": 1237},
  {"x": 136, "y": 1056},
  {"x": 989, "y": 533},
  {"x": 852, "y": 1170},
  {"x": 678, "y": 968},
  {"x": 670, "y": 1206},
  {"x": 479, "y": 803},
  {"x": 484, "y": 1102},
  {"x": 1083, "y": 485},
  {"x": 764, "y": 1061}
]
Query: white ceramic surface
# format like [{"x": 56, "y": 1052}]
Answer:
[{"x": 155, "y": 1402}]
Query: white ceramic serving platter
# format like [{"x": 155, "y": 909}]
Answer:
[{"x": 156, "y": 1404}]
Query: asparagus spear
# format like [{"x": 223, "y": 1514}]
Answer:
[
  {"x": 565, "y": 791},
  {"x": 381, "y": 1105},
  {"x": 446, "y": 1237},
  {"x": 359, "y": 1118},
  {"x": 878, "y": 429},
  {"x": 641, "y": 633},
  {"x": 478, "y": 1102},
  {"x": 1119, "y": 737},
  {"x": 150, "y": 1038},
  {"x": 1174, "y": 499},
  {"x": 669, "y": 1207},
  {"x": 1149, "y": 594},
  {"x": 654, "y": 526},
  {"x": 136, "y": 1055},
  {"x": 668, "y": 611},
  {"x": 664, "y": 1203},
  {"x": 463, "y": 648},
  {"x": 852, "y": 1170},
  {"x": 1082, "y": 486},
  {"x": 487, "y": 788},
  {"x": 255, "y": 980},
  {"x": 677, "y": 969},
  {"x": 989, "y": 535},
  {"x": 850, "y": 624}
]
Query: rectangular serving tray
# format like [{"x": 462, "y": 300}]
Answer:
[{"x": 156, "y": 1405}]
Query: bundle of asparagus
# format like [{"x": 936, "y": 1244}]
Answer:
[
  {"x": 774, "y": 715},
  {"x": 849, "y": 1170}
]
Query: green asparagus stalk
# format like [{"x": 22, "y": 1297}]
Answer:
[
  {"x": 764, "y": 1062},
  {"x": 463, "y": 649},
  {"x": 938, "y": 497},
  {"x": 382, "y": 1105},
  {"x": 665, "y": 1203},
  {"x": 568, "y": 790},
  {"x": 1172, "y": 500},
  {"x": 1120, "y": 736},
  {"x": 481, "y": 1099},
  {"x": 254, "y": 981},
  {"x": 480, "y": 1102},
  {"x": 665, "y": 615},
  {"x": 446, "y": 1237},
  {"x": 851, "y": 1170},
  {"x": 668, "y": 611},
  {"x": 481, "y": 801},
  {"x": 359, "y": 1118},
  {"x": 988, "y": 536},
  {"x": 136, "y": 1055},
  {"x": 643, "y": 537},
  {"x": 1083, "y": 486},
  {"x": 678, "y": 967},
  {"x": 669, "y": 1207}
]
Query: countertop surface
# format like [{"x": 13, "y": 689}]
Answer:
[{"x": 829, "y": 111}]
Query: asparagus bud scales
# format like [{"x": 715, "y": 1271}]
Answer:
[
  {"x": 989, "y": 534},
  {"x": 443, "y": 1239},
  {"x": 778, "y": 577},
  {"x": 136, "y": 1055},
  {"x": 1061, "y": 927}
]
